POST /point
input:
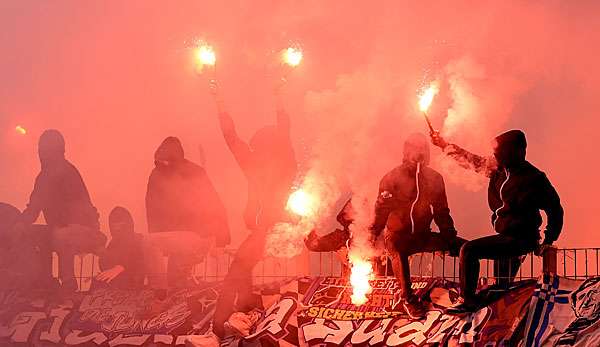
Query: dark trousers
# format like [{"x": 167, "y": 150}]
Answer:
[
  {"x": 505, "y": 250},
  {"x": 238, "y": 282},
  {"x": 401, "y": 247}
]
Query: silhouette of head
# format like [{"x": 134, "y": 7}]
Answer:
[
  {"x": 510, "y": 148},
  {"x": 169, "y": 152},
  {"x": 120, "y": 222},
  {"x": 416, "y": 149},
  {"x": 51, "y": 146}
]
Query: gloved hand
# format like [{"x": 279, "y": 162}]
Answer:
[{"x": 438, "y": 140}]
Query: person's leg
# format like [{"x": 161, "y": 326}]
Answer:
[
  {"x": 505, "y": 270},
  {"x": 489, "y": 247},
  {"x": 400, "y": 249},
  {"x": 238, "y": 280},
  {"x": 185, "y": 249}
]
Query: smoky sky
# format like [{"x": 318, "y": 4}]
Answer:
[{"x": 118, "y": 77}]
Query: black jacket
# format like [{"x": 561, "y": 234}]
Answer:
[
  {"x": 516, "y": 196},
  {"x": 61, "y": 195},
  {"x": 398, "y": 200},
  {"x": 180, "y": 196},
  {"x": 269, "y": 164}
]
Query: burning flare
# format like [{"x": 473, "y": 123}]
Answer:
[
  {"x": 20, "y": 130},
  {"x": 427, "y": 96},
  {"x": 301, "y": 203},
  {"x": 292, "y": 56},
  {"x": 361, "y": 273},
  {"x": 206, "y": 55}
]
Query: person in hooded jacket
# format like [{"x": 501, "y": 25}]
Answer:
[
  {"x": 61, "y": 195},
  {"x": 184, "y": 214},
  {"x": 122, "y": 263},
  {"x": 269, "y": 165},
  {"x": 411, "y": 196},
  {"x": 517, "y": 192}
]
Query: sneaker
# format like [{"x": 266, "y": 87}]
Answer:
[
  {"x": 461, "y": 306},
  {"x": 414, "y": 308}
]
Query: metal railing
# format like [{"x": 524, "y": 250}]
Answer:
[{"x": 576, "y": 263}]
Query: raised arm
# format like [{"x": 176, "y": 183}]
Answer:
[
  {"x": 238, "y": 147},
  {"x": 466, "y": 159}
]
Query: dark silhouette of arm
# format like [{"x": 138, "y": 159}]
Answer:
[
  {"x": 441, "y": 212},
  {"x": 550, "y": 204}
]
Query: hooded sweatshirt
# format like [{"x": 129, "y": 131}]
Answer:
[
  {"x": 125, "y": 249},
  {"x": 180, "y": 196},
  {"x": 59, "y": 191},
  {"x": 411, "y": 195},
  {"x": 269, "y": 164},
  {"x": 517, "y": 190}
]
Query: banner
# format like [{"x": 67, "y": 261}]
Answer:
[
  {"x": 564, "y": 312},
  {"x": 299, "y": 312}
]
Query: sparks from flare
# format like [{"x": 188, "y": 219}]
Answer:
[
  {"x": 292, "y": 56},
  {"x": 205, "y": 55},
  {"x": 20, "y": 130},
  {"x": 426, "y": 98},
  {"x": 300, "y": 203},
  {"x": 361, "y": 273}
]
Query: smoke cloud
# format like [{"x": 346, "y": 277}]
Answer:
[{"x": 118, "y": 78}]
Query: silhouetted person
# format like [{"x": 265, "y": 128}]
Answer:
[
  {"x": 122, "y": 263},
  {"x": 517, "y": 192},
  {"x": 61, "y": 195},
  {"x": 340, "y": 240},
  {"x": 184, "y": 213},
  {"x": 411, "y": 196},
  {"x": 269, "y": 164}
]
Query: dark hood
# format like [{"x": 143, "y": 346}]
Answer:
[
  {"x": 510, "y": 148},
  {"x": 169, "y": 151},
  {"x": 51, "y": 147},
  {"x": 416, "y": 149},
  {"x": 120, "y": 222}
]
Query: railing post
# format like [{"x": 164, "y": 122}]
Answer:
[{"x": 549, "y": 260}]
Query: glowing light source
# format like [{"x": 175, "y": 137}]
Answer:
[
  {"x": 206, "y": 55},
  {"x": 20, "y": 130},
  {"x": 361, "y": 273},
  {"x": 300, "y": 203},
  {"x": 292, "y": 56},
  {"x": 426, "y": 98}
]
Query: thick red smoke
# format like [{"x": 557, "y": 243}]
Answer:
[{"x": 117, "y": 78}]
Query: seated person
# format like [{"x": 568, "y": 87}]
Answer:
[
  {"x": 339, "y": 240},
  {"x": 410, "y": 197},
  {"x": 185, "y": 214},
  {"x": 61, "y": 195},
  {"x": 122, "y": 263},
  {"x": 516, "y": 194}
]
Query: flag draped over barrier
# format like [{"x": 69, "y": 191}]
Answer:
[{"x": 312, "y": 311}]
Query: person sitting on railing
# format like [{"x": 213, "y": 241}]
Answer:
[
  {"x": 410, "y": 197},
  {"x": 339, "y": 240},
  {"x": 122, "y": 263},
  {"x": 516, "y": 194},
  {"x": 184, "y": 213},
  {"x": 61, "y": 195}
]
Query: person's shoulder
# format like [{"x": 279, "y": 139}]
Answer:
[{"x": 432, "y": 173}]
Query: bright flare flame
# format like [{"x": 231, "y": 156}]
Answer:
[
  {"x": 292, "y": 56},
  {"x": 361, "y": 273},
  {"x": 427, "y": 97},
  {"x": 206, "y": 55},
  {"x": 301, "y": 203},
  {"x": 19, "y": 129}
]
